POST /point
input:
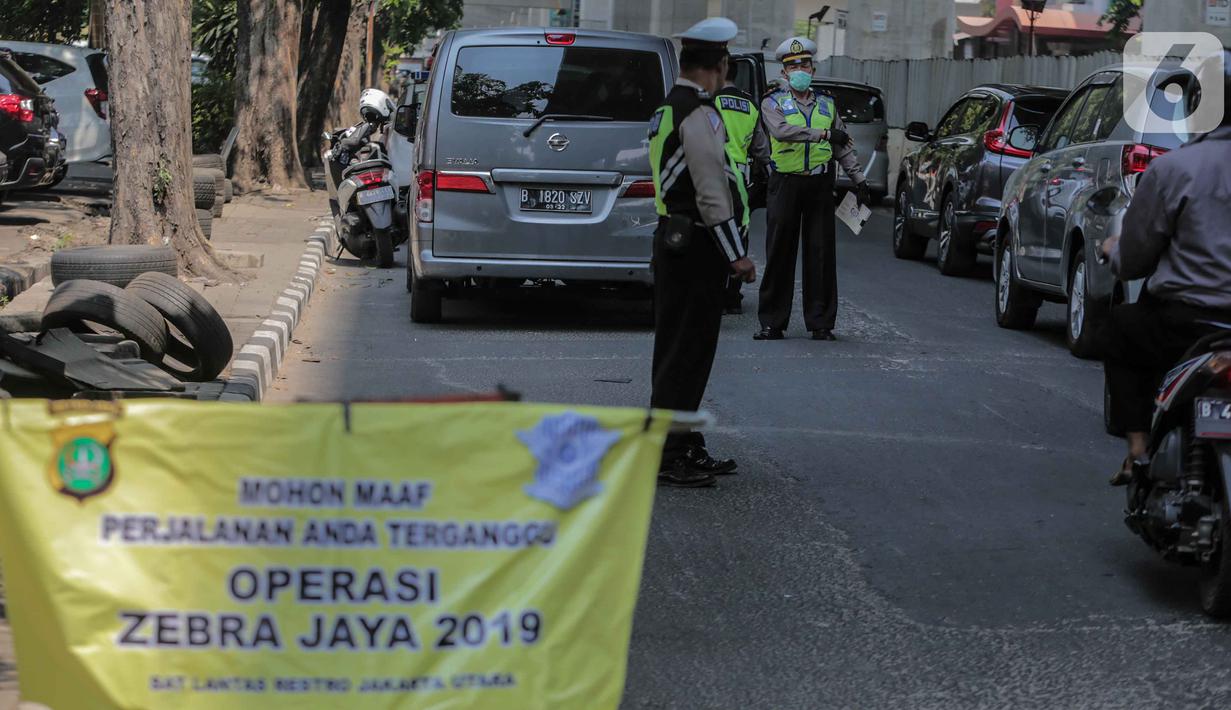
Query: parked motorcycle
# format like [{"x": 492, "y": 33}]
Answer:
[
  {"x": 1179, "y": 502},
  {"x": 358, "y": 175}
]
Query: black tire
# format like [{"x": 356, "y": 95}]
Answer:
[
  {"x": 116, "y": 264},
  {"x": 1215, "y": 585},
  {"x": 208, "y": 160},
  {"x": 1082, "y": 323},
  {"x": 204, "y": 189},
  {"x": 384, "y": 247},
  {"x": 220, "y": 197},
  {"x": 76, "y": 303},
  {"x": 206, "y": 348},
  {"x": 228, "y": 191},
  {"x": 1016, "y": 306},
  {"x": 206, "y": 219},
  {"x": 906, "y": 244},
  {"x": 426, "y": 302},
  {"x": 953, "y": 256}
]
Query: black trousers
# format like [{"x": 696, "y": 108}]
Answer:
[
  {"x": 688, "y": 301},
  {"x": 1141, "y": 343},
  {"x": 800, "y": 206},
  {"x": 734, "y": 293}
]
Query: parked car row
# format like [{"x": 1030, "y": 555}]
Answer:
[{"x": 1037, "y": 177}]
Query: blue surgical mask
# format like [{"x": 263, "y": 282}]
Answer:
[{"x": 800, "y": 80}]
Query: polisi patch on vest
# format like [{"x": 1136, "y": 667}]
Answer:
[{"x": 734, "y": 103}]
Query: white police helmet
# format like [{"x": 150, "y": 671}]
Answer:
[
  {"x": 795, "y": 49},
  {"x": 375, "y": 106}
]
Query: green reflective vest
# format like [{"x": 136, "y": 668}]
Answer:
[
  {"x": 802, "y": 158},
  {"x": 673, "y": 188},
  {"x": 740, "y": 117}
]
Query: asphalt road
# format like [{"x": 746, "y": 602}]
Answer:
[{"x": 922, "y": 519}]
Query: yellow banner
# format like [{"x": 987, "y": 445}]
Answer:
[{"x": 187, "y": 555}]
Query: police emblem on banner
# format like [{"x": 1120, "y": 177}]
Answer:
[
  {"x": 569, "y": 448},
  {"x": 83, "y": 465}
]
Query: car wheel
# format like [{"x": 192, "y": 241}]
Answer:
[
  {"x": 116, "y": 264},
  {"x": 1082, "y": 318},
  {"x": 952, "y": 257},
  {"x": 426, "y": 301},
  {"x": 906, "y": 245},
  {"x": 1016, "y": 306},
  {"x": 206, "y": 347},
  {"x": 76, "y": 304}
]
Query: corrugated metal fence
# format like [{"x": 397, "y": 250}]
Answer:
[{"x": 921, "y": 89}]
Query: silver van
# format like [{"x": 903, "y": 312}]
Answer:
[{"x": 532, "y": 162}]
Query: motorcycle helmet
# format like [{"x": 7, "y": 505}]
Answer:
[{"x": 375, "y": 106}]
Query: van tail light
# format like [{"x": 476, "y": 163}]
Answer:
[
  {"x": 17, "y": 107},
  {"x": 560, "y": 38},
  {"x": 460, "y": 183},
  {"x": 1138, "y": 157},
  {"x": 372, "y": 177},
  {"x": 641, "y": 188},
  {"x": 425, "y": 198},
  {"x": 98, "y": 100}
]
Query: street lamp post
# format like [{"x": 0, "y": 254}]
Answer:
[{"x": 1033, "y": 8}]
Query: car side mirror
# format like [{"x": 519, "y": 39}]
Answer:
[
  {"x": 1024, "y": 138},
  {"x": 405, "y": 119},
  {"x": 918, "y": 132}
]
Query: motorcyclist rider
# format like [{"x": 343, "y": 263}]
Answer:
[{"x": 1177, "y": 232}]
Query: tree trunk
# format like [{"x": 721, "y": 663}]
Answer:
[
  {"x": 320, "y": 74},
  {"x": 344, "y": 103},
  {"x": 267, "y": 65},
  {"x": 152, "y": 131},
  {"x": 98, "y": 24}
]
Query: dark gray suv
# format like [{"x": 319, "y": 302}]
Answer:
[
  {"x": 1048, "y": 235},
  {"x": 949, "y": 188}
]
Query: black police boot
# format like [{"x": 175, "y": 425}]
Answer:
[
  {"x": 823, "y": 335},
  {"x": 700, "y": 459},
  {"x": 768, "y": 333},
  {"x": 680, "y": 474}
]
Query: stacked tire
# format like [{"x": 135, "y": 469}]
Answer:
[{"x": 101, "y": 289}]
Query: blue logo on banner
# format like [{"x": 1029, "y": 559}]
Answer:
[{"x": 569, "y": 448}]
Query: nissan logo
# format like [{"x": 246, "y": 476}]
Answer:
[{"x": 557, "y": 142}]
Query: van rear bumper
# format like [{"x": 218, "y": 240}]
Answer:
[{"x": 430, "y": 266}]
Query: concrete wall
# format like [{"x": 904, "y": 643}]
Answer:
[
  {"x": 1181, "y": 16},
  {"x": 915, "y": 29}
]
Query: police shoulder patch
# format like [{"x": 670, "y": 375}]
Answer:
[{"x": 715, "y": 120}]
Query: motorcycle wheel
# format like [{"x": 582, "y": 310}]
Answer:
[
  {"x": 1216, "y": 575},
  {"x": 384, "y": 248}
]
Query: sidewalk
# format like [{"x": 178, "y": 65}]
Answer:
[
  {"x": 266, "y": 232},
  {"x": 263, "y": 238}
]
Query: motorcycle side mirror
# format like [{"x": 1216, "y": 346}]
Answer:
[
  {"x": 1024, "y": 138},
  {"x": 405, "y": 119}
]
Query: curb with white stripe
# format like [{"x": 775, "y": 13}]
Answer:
[{"x": 256, "y": 365}]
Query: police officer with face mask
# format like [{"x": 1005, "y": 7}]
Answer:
[
  {"x": 698, "y": 194},
  {"x": 807, "y": 139}
]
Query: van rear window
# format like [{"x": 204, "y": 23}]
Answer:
[{"x": 529, "y": 82}]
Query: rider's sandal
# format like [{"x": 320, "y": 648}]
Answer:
[{"x": 1124, "y": 476}]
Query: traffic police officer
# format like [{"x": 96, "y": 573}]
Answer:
[
  {"x": 697, "y": 243},
  {"x": 746, "y": 147},
  {"x": 806, "y": 136}
]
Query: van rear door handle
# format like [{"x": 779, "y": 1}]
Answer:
[
  {"x": 1045, "y": 168},
  {"x": 1079, "y": 162}
]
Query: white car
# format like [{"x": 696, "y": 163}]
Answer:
[{"x": 76, "y": 78}]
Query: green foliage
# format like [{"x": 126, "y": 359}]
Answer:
[
  {"x": 404, "y": 23},
  {"x": 54, "y": 21},
  {"x": 215, "y": 29},
  {"x": 213, "y": 112},
  {"x": 1120, "y": 13},
  {"x": 162, "y": 182}
]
